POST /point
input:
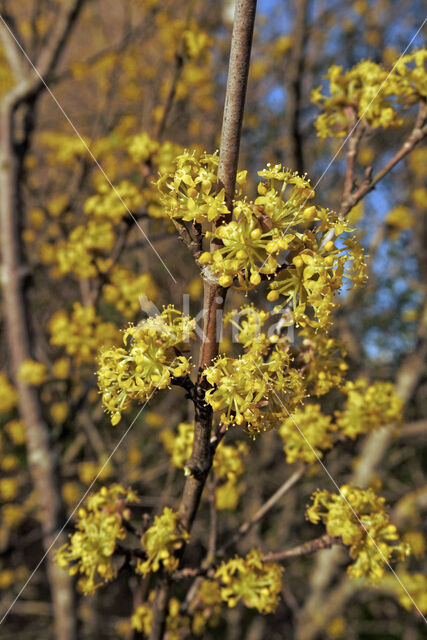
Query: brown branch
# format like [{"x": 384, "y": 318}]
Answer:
[
  {"x": 213, "y": 521},
  {"x": 352, "y": 148},
  {"x": 324, "y": 542},
  {"x": 214, "y": 296},
  {"x": 49, "y": 56},
  {"x": 258, "y": 515},
  {"x": 417, "y": 134},
  {"x": 179, "y": 65},
  {"x": 11, "y": 47},
  {"x": 295, "y": 74}
]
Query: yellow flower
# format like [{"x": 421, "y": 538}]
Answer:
[
  {"x": 368, "y": 407},
  {"x": 61, "y": 368},
  {"x": 317, "y": 429},
  {"x": 148, "y": 362},
  {"x": 372, "y": 539},
  {"x": 161, "y": 541},
  {"x": 8, "y": 395},
  {"x": 32, "y": 372},
  {"x": 258, "y": 584},
  {"x": 82, "y": 333},
  {"x": 16, "y": 431},
  {"x": 59, "y": 411},
  {"x": 125, "y": 289},
  {"x": 9, "y": 462},
  {"x": 142, "y": 619},
  {"x": 8, "y": 488},
  {"x": 90, "y": 549}
]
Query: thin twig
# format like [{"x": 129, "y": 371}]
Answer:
[
  {"x": 324, "y": 542},
  {"x": 277, "y": 495},
  {"x": 417, "y": 134}
]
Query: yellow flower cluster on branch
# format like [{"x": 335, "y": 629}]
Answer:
[
  {"x": 277, "y": 236},
  {"x": 360, "y": 519},
  {"x": 142, "y": 619},
  {"x": 414, "y": 589},
  {"x": 149, "y": 360},
  {"x": 85, "y": 251},
  {"x": 161, "y": 541},
  {"x": 317, "y": 429},
  {"x": 89, "y": 552},
  {"x": 371, "y": 93},
  {"x": 125, "y": 289},
  {"x": 114, "y": 204},
  {"x": 179, "y": 445},
  {"x": 227, "y": 464},
  {"x": 256, "y": 583},
  {"x": 32, "y": 372},
  {"x": 8, "y": 395},
  {"x": 190, "y": 192},
  {"x": 322, "y": 361},
  {"x": 250, "y": 389},
  {"x": 368, "y": 407},
  {"x": 82, "y": 333}
]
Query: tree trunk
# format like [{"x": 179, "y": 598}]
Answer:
[{"x": 42, "y": 460}]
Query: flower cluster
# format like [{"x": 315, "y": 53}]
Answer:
[
  {"x": 114, "y": 204},
  {"x": 179, "y": 445},
  {"x": 208, "y": 607},
  {"x": 16, "y": 431},
  {"x": 125, "y": 289},
  {"x": 317, "y": 434},
  {"x": 248, "y": 389},
  {"x": 32, "y": 372},
  {"x": 415, "y": 589},
  {"x": 321, "y": 360},
  {"x": 142, "y": 619},
  {"x": 82, "y": 333},
  {"x": 368, "y": 407},
  {"x": 90, "y": 549},
  {"x": 84, "y": 251},
  {"x": 161, "y": 541},
  {"x": 276, "y": 237},
  {"x": 149, "y": 360},
  {"x": 228, "y": 462},
  {"x": 177, "y": 625},
  {"x": 371, "y": 93},
  {"x": 8, "y": 395},
  {"x": 359, "y": 517},
  {"x": 257, "y": 583},
  {"x": 228, "y": 467},
  {"x": 248, "y": 325},
  {"x": 190, "y": 193}
]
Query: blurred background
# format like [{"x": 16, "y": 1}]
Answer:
[{"x": 140, "y": 80}]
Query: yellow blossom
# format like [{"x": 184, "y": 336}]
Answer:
[{"x": 32, "y": 372}]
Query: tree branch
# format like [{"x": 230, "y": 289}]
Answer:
[
  {"x": 295, "y": 75},
  {"x": 417, "y": 134},
  {"x": 49, "y": 56},
  {"x": 42, "y": 459},
  {"x": 214, "y": 296},
  {"x": 324, "y": 542},
  {"x": 277, "y": 495}
]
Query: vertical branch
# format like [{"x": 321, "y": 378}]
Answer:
[
  {"x": 295, "y": 74},
  {"x": 214, "y": 296},
  {"x": 235, "y": 94},
  {"x": 42, "y": 460}
]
